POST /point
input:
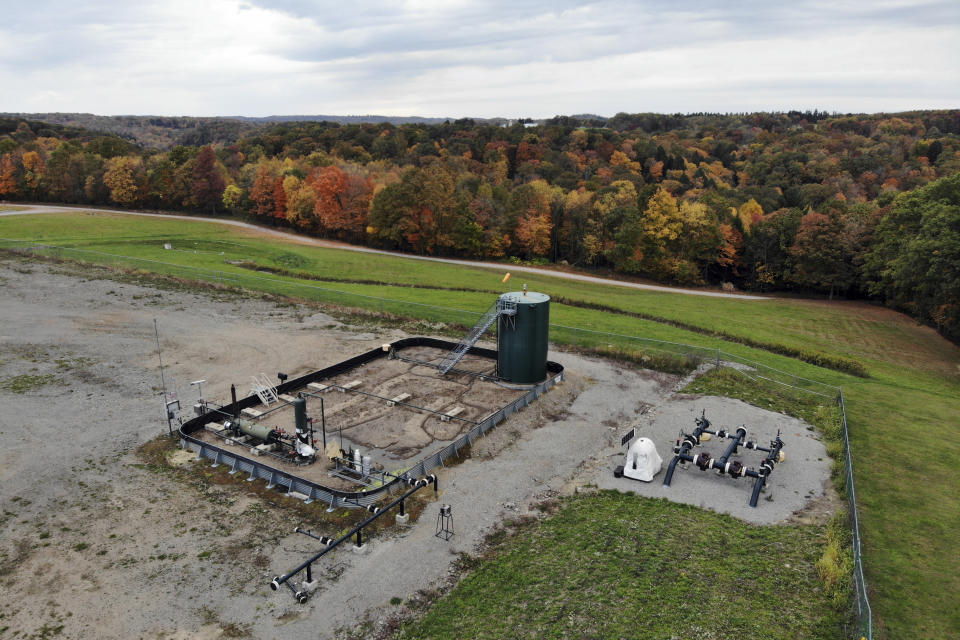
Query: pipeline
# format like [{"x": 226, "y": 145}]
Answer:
[
  {"x": 302, "y": 596},
  {"x": 689, "y": 441},
  {"x": 735, "y": 469},
  {"x": 766, "y": 468},
  {"x": 705, "y": 461}
]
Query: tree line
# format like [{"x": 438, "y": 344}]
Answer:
[{"x": 858, "y": 206}]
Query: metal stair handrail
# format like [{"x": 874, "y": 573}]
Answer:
[{"x": 502, "y": 306}]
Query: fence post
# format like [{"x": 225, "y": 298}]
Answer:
[{"x": 718, "y": 357}]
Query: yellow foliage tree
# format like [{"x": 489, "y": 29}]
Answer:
[
  {"x": 121, "y": 177},
  {"x": 750, "y": 211},
  {"x": 661, "y": 222},
  {"x": 33, "y": 168},
  {"x": 620, "y": 159}
]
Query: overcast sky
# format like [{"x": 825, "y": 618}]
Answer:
[{"x": 513, "y": 58}]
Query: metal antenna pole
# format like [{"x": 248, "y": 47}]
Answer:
[{"x": 163, "y": 384}]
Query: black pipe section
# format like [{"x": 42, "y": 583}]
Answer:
[
  {"x": 749, "y": 444},
  {"x": 704, "y": 460},
  {"x": 322, "y": 539},
  {"x": 689, "y": 441},
  {"x": 236, "y": 407},
  {"x": 415, "y": 485},
  {"x": 721, "y": 463},
  {"x": 766, "y": 468}
]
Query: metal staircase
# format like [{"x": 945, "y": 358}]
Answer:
[
  {"x": 264, "y": 390},
  {"x": 502, "y": 307}
]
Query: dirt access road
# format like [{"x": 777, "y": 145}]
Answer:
[
  {"x": 292, "y": 237},
  {"x": 93, "y": 544}
]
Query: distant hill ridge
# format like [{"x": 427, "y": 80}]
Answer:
[
  {"x": 368, "y": 119},
  {"x": 163, "y": 132}
]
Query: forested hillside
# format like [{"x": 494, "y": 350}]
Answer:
[
  {"x": 152, "y": 132},
  {"x": 844, "y": 205}
]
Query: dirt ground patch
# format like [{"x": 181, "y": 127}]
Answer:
[{"x": 95, "y": 543}]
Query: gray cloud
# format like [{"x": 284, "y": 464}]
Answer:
[{"x": 477, "y": 58}]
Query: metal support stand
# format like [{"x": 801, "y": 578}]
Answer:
[
  {"x": 445, "y": 522},
  {"x": 330, "y": 543}
]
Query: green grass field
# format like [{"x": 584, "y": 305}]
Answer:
[
  {"x": 612, "y": 566},
  {"x": 900, "y": 416}
]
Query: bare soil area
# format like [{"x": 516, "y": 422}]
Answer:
[{"x": 95, "y": 544}]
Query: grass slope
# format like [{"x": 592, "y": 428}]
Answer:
[
  {"x": 900, "y": 417},
  {"x": 613, "y": 565}
]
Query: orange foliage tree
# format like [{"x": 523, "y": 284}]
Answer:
[
  {"x": 262, "y": 192},
  {"x": 8, "y": 176}
]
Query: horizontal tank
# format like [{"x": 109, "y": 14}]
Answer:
[
  {"x": 258, "y": 431},
  {"x": 522, "y": 336}
]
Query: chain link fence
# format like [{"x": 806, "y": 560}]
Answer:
[
  {"x": 664, "y": 355},
  {"x": 864, "y": 613}
]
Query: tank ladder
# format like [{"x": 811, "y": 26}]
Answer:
[{"x": 502, "y": 307}]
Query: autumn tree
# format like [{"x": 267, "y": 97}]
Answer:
[
  {"x": 487, "y": 212},
  {"x": 535, "y": 221},
  {"x": 33, "y": 169},
  {"x": 729, "y": 252},
  {"x": 355, "y": 207},
  {"x": 233, "y": 198},
  {"x": 279, "y": 199},
  {"x": 124, "y": 177},
  {"x": 391, "y": 214},
  {"x": 330, "y": 186},
  {"x": 8, "y": 176},
  {"x": 766, "y": 251},
  {"x": 301, "y": 202},
  {"x": 822, "y": 254},
  {"x": 748, "y": 214},
  {"x": 660, "y": 226},
  {"x": 614, "y": 220},
  {"x": 208, "y": 182},
  {"x": 262, "y": 193}
]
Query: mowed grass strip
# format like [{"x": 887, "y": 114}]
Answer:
[
  {"x": 855, "y": 330},
  {"x": 616, "y": 565},
  {"x": 905, "y": 451}
]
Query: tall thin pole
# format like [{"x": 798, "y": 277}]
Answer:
[
  {"x": 323, "y": 422},
  {"x": 163, "y": 384}
]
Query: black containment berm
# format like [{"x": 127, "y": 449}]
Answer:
[{"x": 522, "y": 337}]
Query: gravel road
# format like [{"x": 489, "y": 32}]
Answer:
[{"x": 31, "y": 209}]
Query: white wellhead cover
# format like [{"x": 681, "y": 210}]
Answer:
[{"x": 643, "y": 462}]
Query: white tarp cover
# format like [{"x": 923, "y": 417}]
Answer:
[{"x": 643, "y": 462}]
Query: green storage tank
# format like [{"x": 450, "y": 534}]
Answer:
[{"x": 522, "y": 337}]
